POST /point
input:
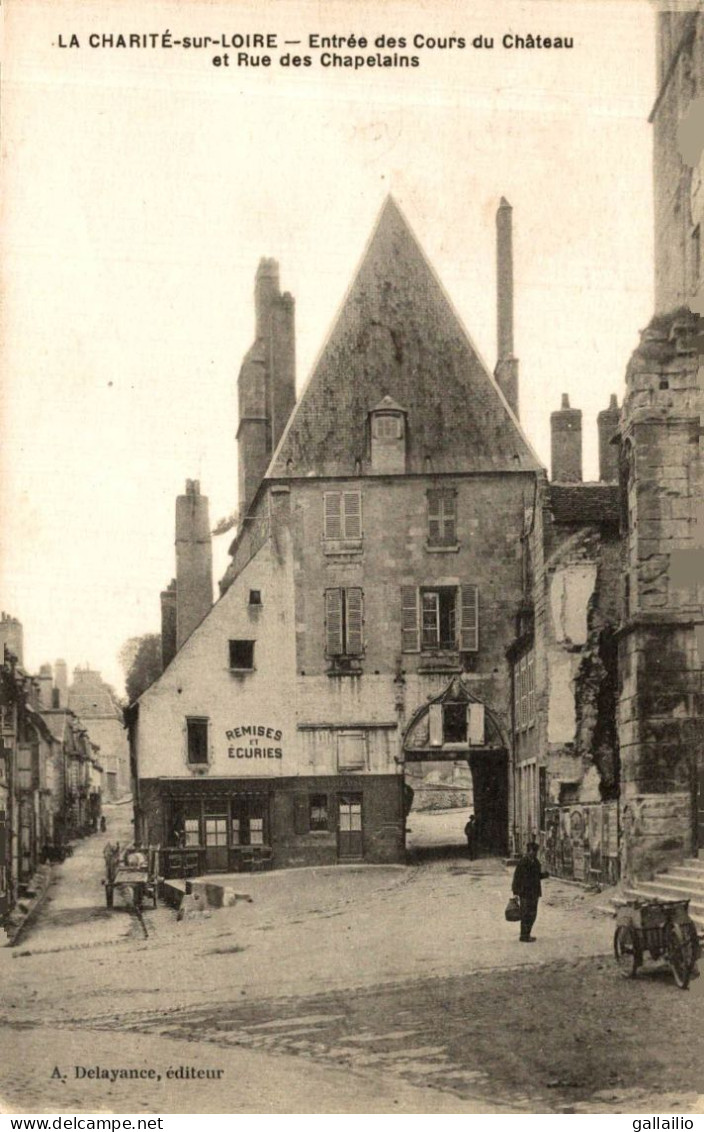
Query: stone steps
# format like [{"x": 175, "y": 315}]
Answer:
[{"x": 681, "y": 882}]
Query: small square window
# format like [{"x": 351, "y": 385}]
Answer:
[
  {"x": 255, "y": 597},
  {"x": 197, "y": 731},
  {"x": 242, "y": 655},
  {"x": 318, "y": 813}
]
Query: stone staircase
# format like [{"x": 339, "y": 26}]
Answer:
[{"x": 677, "y": 883}]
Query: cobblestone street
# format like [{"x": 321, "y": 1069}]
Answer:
[{"x": 340, "y": 990}]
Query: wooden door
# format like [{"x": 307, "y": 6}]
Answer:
[
  {"x": 350, "y": 845},
  {"x": 216, "y": 855}
]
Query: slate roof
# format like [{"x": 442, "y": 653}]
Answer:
[
  {"x": 398, "y": 336},
  {"x": 580, "y": 503}
]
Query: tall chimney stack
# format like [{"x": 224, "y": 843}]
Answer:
[
  {"x": 607, "y": 427},
  {"x": 194, "y": 561},
  {"x": 11, "y": 637},
  {"x": 61, "y": 684},
  {"x": 566, "y": 443},
  {"x": 506, "y": 372},
  {"x": 168, "y": 624}
]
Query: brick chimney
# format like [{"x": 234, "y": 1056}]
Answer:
[
  {"x": 607, "y": 423},
  {"x": 566, "y": 443},
  {"x": 45, "y": 681},
  {"x": 11, "y": 637},
  {"x": 194, "y": 561},
  {"x": 506, "y": 372},
  {"x": 60, "y": 684},
  {"x": 168, "y": 623}
]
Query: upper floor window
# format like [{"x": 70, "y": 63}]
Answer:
[
  {"x": 442, "y": 517},
  {"x": 344, "y": 621},
  {"x": 342, "y": 516},
  {"x": 524, "y": 692},
  {"x": 440, "y": 618},
  {"x": 197, "y": 739},
  {"x": 242, "y": 655},
  {"x": 388, "y": 437}
]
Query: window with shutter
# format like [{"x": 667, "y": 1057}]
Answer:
[
  {"x": 344, "y": 622},
  {"x": 531, "y": 690},
  {"x": 410, "y": 619},
  {"x": 333, "y": 623},
  {"x": 469, "y": 623},
  {"x": 442, "y": 527},
  {"x": 476, "y": 724},
  {"x": 342, "y": 516},
  {"x": 351, "y": 750}
]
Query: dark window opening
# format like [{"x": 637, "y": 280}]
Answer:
[
  {"x": 197, "y": 740},
  {"x": 454, "y": 723},
  {"x": 438, "y": 627},
  {"x": 242, "y": 654},
  {"x": 318, "y": 813},
  {"x": 255, "y": 597}
]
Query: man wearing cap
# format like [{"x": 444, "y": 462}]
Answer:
[{"x": 526, "y": 886}]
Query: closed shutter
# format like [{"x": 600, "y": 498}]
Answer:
[
  {"x": 449, "y": 535},
  {"x": 434, "y": 518},
  {"x": 531, "y": 690},
  {"x": 332, "y": 514},
  {"x": 354, "y": 621},
  {"x": 301, "y": 815},
  {"x": 410, "y": 619},
  {"x": 352, "y": 514},
  {"x": 334, "y": 645},
  {"x": 469, "y": 622},
  {"x": 435, "y": 718},
  {"x": 475, "y": 724}
]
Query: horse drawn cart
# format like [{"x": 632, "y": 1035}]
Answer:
[{"x": 663, "y": 928}]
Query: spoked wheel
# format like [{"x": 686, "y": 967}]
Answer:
[
  {"x": 626, "y": 952},
  {"x": 682, "y": 954}
]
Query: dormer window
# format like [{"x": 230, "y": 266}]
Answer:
[{"x": 388, "y": 437}]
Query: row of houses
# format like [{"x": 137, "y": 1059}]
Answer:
[
  {"x": 50, "y": 770},
  {"x": 408, "y": 588}
]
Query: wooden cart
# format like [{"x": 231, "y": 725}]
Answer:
[{"x": 136, "y": 881}]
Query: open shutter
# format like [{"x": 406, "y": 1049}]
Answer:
[
  {"x": 410, "y": 619},
  {"x": 435, "y": 718},
  {"x": 475, "y": 724},
  {"x": 469, "y": 620},
  {"x": 332, "y": 514},
  {"x": 334, "y": 645},
  {"x": 352, "y": 514},
  {"x": 354, "y": 621},
  {"x": 434, "y": 518},
  {"x": 531, "y": 690}
]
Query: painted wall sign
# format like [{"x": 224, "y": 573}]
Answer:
[{"x": 249, "y": 742}]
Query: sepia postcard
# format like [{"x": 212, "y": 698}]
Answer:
[{"x": 351, "y": 566}]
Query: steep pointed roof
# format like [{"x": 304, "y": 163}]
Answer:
[{"x": 397, "y": 335}]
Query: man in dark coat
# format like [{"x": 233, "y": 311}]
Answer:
[
  {"x": 526, "y": 886},
  {"x": 470, "y": 832}
]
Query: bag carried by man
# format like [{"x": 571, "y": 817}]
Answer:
[{"x": 513, "y": 910}]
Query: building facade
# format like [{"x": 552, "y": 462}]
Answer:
[
  {"x": 95, "y": 704},
  {"x": 363, "y": 621}
]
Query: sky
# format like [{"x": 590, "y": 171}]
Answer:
[{"x": 141, "y": 186}]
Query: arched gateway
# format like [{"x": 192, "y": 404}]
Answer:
[{"x": 455, "y": 726}]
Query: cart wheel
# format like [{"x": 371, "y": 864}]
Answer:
[
  {"x": 681, "y": 952},
  {"x": 108, "y": 895},
  {"x": 626, "y": 952},
  {"x": 155, "y": 897}
]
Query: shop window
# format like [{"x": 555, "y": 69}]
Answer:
[
  {"x": 442, "y": 518},
  {"x": 342, "y": 516},
  {"x": 443, "y": 618},
  {"x": 197, "y": 732},
  {"x": 256, "y": 831},
  {"x": 191, "y": 836},
  {"x": 242, "y": 656},
  {"x": 344, "y": 620},
  {"x": 235, "y": 831},
  {"x": 318, "y": 813}
]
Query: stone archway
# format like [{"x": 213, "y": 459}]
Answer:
[{"x": 455, "y": 726}]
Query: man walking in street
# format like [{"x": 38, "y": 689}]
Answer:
[
  {"x": 470, "y": 832},
  {"x": 527, "y": 887}
]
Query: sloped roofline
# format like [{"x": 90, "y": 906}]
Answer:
[{"x": 391, "y": 203}]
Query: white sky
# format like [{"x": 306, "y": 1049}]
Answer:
[{"x": 141, "y": 188}]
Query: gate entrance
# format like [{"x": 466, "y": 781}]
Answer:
[{"x": 457, "y": 764}]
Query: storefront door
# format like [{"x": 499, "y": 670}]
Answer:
[
  {"x": 216, "y": 855},
  {"x": 349, "y": 837}
]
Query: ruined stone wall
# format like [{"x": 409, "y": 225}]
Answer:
[{"x": 661, "y": 704}]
